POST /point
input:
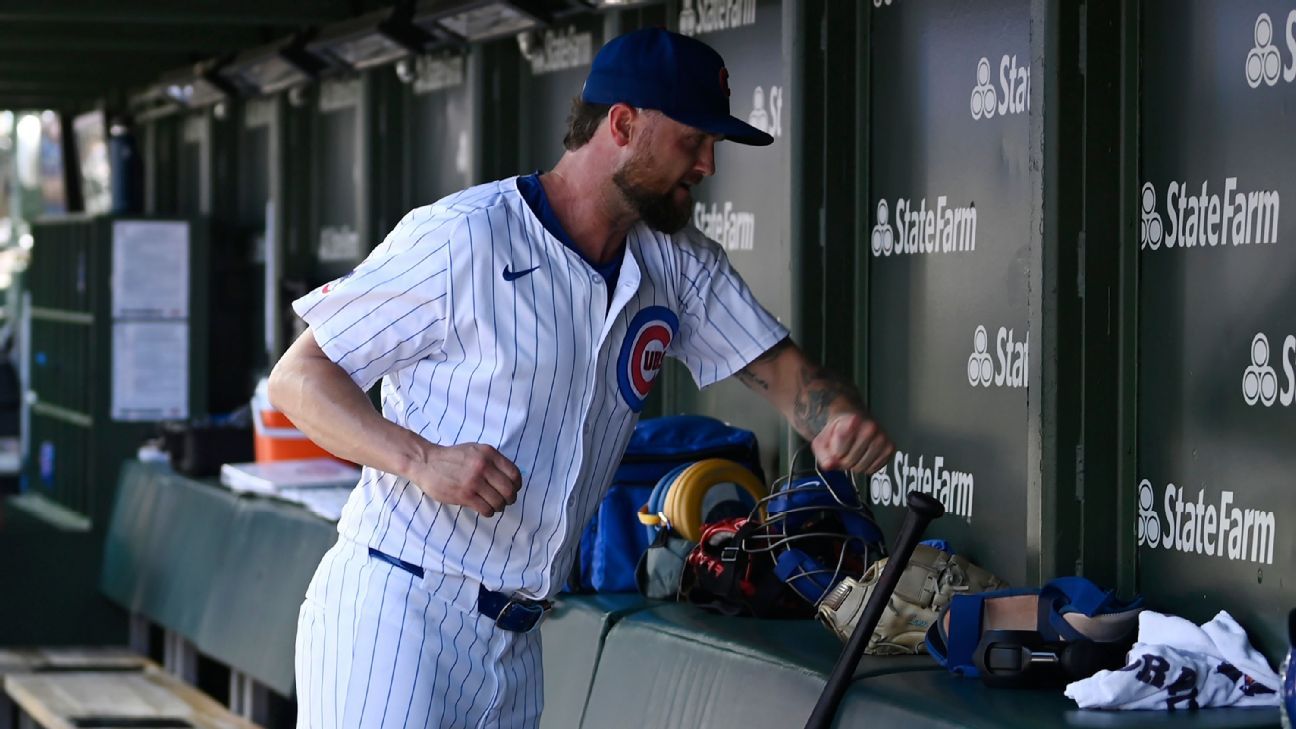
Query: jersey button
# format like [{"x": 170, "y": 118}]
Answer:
[{"x": 596, "y": 278}]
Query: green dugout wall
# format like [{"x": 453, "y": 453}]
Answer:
[
  {"x": 952, "y": 272},
  {"x": 953, "y": 212},
  {"x": 747, "y": 205},
  {"x": 1215, "y": 301}
]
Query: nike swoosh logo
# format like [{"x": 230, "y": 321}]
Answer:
[{"x": 515, "y": 275}]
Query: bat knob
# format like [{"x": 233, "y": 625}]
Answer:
[{"x": 925, "y": 505}]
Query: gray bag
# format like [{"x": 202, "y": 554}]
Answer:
[{"x": 660, "y": 567}]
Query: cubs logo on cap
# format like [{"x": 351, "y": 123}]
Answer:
[{"x": 643, "y": 352}]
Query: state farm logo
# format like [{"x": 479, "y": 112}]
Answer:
[
  {"x": 1150, "y": 226},
  {"x": 1200, "y": 527},
  {"x": 883, "y": 238},
  {"x": 1013, "y": 96},
  {"x": 1199, "y": 218},
  {"x": 733, "y": 229},
  {"x": 561, "y": 50},
  {"x": 433, "y": 73},
  {"x": 952, "y": 488},
  {"x": 1007, "y": 369},
  {"x": 1260, "y": 384},
  {"x": 1264, "y": 61},
  {"x": 715, "y": 15},
  {"x": 920, "y": 230},
  {"x": 1149, "y": 524},
  {"x": 769, "y": 121}
]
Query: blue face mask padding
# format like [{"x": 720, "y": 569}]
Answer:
[
  {"x": 806, "y": 497},
  {"x": 804, "y": 574}
]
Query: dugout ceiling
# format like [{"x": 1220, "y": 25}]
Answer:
[{"x": 65, "y": 54}]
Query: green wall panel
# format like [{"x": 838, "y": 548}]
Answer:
[
  {"x": 950, "y": 271},
  {"x": 442, "y": 138},
  {"x": 1216, "y": 302},
  {"x": 553, "y": 71},
  {"x": 746, "y": 206}
]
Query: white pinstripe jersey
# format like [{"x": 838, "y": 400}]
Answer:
[{"x": 486, "y": 329}]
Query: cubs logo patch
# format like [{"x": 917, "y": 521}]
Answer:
[{"x": 643, "y": 352}]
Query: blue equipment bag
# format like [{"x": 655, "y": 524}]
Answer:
[{"x": 614, "y": 539}]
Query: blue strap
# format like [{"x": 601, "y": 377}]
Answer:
[
  {"x": 954, "y": 648},
  {"x": 1081, "y": 595},
  {"x": 965, "y": 612},
  {"x": 1066, "y": 595}
]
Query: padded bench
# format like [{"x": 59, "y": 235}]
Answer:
[
  {"x": 112, "y": 699},
  {"x": 672, "y": 666},
  {"x": 573, "y": 635},
  {"x": 676, "y": 665}
]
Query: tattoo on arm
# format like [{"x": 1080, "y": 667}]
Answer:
[
  {"x": 749, "y": 378},
  {"x": 820, "y": 388}
]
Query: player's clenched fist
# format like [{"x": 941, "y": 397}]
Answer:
[
  {"x": 852, "y": 442},
  {"x": 471, "y": 474}
]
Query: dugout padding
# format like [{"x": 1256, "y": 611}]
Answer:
[
  {"x": 573, "y": 636},
  {"x": 227, "y": 573},
  {"x": 676, "y": 665}
]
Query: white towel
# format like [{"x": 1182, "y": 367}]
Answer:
[{"x": 1178, "y": 665}]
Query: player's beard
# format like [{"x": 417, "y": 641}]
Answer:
[{"x": 659, "y": 211}]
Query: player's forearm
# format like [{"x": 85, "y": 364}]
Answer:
[
  {"x": 325, "y": 404},
  {"x": 805, "y": 393}
]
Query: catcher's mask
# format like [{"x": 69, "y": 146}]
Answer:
[
  {"x": 817, "y": 531},
  {"x": 782, "y": 558},
  {"x": 695, "y": 494}
]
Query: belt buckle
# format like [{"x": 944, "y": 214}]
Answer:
[{"x": 520, "y": 617}]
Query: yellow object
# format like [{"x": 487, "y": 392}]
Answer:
[{"x": 683, "y": 505}]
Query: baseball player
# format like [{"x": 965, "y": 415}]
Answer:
[{"x": 517, "y": 328}]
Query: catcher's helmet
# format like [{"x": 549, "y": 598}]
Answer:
[
  {"x": 780, "y": 560},
  {"x": 816, "y": 530}
]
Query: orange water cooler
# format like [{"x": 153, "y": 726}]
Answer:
[{"x": 276, "y": 438}]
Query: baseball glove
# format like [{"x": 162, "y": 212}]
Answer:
[{"x": 926, "y": 586}]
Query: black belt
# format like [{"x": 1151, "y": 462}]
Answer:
[{"x": 509, "y": 613}]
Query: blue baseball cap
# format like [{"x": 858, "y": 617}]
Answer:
[{"x": 681, "y": 77}]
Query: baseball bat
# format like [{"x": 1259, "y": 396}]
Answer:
[{"x": 922, "y": 510}]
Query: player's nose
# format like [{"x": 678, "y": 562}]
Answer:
[{"x": 706, "y": 158}]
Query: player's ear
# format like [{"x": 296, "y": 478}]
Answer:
[{"x": 622, "y": 121}]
